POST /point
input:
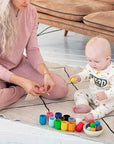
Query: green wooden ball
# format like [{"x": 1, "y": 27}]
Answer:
[{"x": 92, "y": 125}]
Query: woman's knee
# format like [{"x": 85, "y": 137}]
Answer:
[
  {"x": 10, "y": 95},
  {"x": 3, "y": 98},
  {"x": 61, "y": 88}
]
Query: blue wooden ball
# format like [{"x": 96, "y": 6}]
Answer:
[{"x": 97, "y": 123}]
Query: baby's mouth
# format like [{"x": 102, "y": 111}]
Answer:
[{"x": 94, "y": 67}]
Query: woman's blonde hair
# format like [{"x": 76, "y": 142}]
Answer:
[{"x": 8, "y": 25}]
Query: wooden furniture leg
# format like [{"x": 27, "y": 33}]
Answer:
[{"x": 66, "y": 32}]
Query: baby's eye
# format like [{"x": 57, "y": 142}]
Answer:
[
  {"x": 89, "y": 60},
  {"x": 96, "y": 61}
]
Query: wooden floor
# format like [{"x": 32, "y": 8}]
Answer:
[{"x": 68, "y": 50}]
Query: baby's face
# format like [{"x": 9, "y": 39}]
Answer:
[
  {"x": 98, "y": 53},
  {"x": 96, "y": 60},
  {"x": 99, "y": 63}
]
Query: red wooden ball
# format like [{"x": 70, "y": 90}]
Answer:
[{"x": 91, "y": 121}]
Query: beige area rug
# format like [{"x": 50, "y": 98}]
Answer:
[{"x": 29, "y": 111}]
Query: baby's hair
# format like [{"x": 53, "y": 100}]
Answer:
[{"x": 104, "y": 41}]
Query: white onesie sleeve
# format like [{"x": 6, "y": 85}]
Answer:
[
  {"x": 85, "y": 73},
  {"x": 110, "y": 92}
]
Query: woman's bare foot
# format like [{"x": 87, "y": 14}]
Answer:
[
  {"x": 88, "y": 117},
  {"x": 81, "y": 108}
]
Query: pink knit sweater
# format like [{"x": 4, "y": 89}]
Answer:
[{"x": 27, "y": 38}]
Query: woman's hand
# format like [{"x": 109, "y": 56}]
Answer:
[
  {"x": 29, "y": 86},
  {"x": 49, "y": 83}
]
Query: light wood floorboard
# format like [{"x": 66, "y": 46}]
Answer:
[{"x": 68, "y": 50}]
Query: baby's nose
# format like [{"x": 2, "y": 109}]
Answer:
[
  {"x": 93, "y": 65},
  {"x": 27, "y": 1}
]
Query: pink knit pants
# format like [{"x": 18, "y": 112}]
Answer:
[{"x": 13, "y": 93}]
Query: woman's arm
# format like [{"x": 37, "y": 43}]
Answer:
[
  {"x": 49, "y": 83},
  {"x": 35, "y": 58},
  {"x": 42, "y": 69},
  {"x": 5, "y": 73},
  {"x": 32, "y": 49}
]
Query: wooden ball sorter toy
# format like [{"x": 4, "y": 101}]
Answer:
[{"x": 68, "y": 123}]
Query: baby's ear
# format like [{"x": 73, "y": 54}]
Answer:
[{"x": 108, "y": 58}]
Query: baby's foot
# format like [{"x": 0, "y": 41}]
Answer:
[
  {"x": 88, "y": 117},
  {"x": 81, "y": 108}
]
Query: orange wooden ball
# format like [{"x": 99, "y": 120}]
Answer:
[{"x": 92, "y": 129}]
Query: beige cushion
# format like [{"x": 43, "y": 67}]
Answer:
[
  {"x": 108, "y": 1},
  {"x": 70, "y": 9},
  {"x": 102, "y": 20}
]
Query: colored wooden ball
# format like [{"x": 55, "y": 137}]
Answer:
[
  {"x": 97, "y": 123},
  {"x": 88, "y": 125},
  {"x": 72, "y": 79},
  {"x": 88, "y": 128},
  {"x": 91, "y": 121},
  {"x": 92, "y": 125},
  {"x": 40, "y": 89},
  {"x": 98, "y": 128},
  {"x": 92, "y": 129}
]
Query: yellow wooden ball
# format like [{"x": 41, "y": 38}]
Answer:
[{"x": 72, "y": 79}]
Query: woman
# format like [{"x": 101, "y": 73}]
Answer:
[{"x": 19, "y": 74}]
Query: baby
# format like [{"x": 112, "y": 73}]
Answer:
[{"x": 100, "y": 72}]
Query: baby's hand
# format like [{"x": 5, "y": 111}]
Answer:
[
  {"x": 101, "y": 96},
  {"x": 88, "y": 117},
  {"x": 75, "y": 78}
]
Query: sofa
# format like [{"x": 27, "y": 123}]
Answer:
[{"x": 88, "y": 17}]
